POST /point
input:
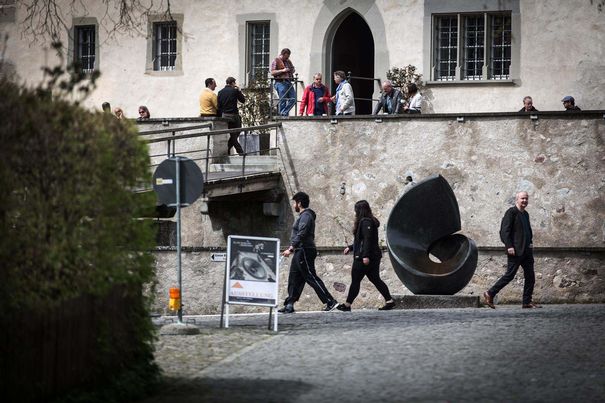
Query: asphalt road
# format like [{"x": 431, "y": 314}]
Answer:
[{"x": 553, "y": 354}]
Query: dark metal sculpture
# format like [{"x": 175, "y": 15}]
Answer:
[{"x": 427, "y": 255}]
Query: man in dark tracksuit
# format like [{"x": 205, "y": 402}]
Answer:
[
  {"x": 302, "y": 268},
  {"x": 516, "y": 234}
]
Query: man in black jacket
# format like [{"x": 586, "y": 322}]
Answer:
[
  {"x": 302, "y": 268},
  {"x": 516, "y": 234},
  {"x": 227, "y": 108}
]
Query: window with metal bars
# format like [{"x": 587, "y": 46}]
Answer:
[
  {"x": 258, "y": 48},
  {"x": 472, "y": 46},
  {"x": 164, "y": 46},
  {"x": 447, "y": 48},
  {"x": 84, "y": 47}
]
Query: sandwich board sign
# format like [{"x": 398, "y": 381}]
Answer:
[{"x": 251, "y": 273}]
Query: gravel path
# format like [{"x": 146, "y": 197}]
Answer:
[{"x": 546, "y": 355}]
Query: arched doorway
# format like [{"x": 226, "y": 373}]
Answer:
[{"x": 353, "y": 50}]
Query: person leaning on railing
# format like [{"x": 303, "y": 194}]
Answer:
[
  {"x": 414, "y": 105},
  {"x": 390, "y": 101},
  {"x": 208, "y": 99},
  {"x": 528, "y": 105},
  {"x": 282, "y": 71}
]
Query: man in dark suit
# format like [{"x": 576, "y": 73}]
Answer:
[{"x": 516, "y": 234}]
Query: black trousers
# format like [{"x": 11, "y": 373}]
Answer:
[
  {"x": 372, "y": 271},
  {"x": 527, "y": 262},
  {"x": 302, "y": 270},
  {"x": 234, "y": 122}
]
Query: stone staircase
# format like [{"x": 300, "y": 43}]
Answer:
[{"x": 254, "y": 163}]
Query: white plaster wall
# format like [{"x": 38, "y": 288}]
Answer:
[{"x": 562, "y": 53}]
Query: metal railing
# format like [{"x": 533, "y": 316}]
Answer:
[
  {"x": 377, "y": 80},
  {"x": 173, "y": 138}
]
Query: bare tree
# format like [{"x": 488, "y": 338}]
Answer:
[{"x": 46, "y": 19}]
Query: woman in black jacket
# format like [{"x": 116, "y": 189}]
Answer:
[{"x": 366, "y": 256}]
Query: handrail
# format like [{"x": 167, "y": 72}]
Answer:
[
  {"x": 216, "y": 132},
  {"x": 177, "y": 129}
]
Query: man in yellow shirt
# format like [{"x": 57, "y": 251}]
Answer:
[{"x": 208, "y": 99}]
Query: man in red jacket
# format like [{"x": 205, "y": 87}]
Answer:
[{"x": 315, "y": 99}]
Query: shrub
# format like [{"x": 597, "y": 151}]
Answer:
[
  {"x": 401, "y": 77},
  {"x": 69, "y": 235}
]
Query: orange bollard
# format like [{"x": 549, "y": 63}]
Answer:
[{"x": 174, "y": 303}]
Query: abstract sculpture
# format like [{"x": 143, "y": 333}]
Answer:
[{"x": 427, "y": 255}]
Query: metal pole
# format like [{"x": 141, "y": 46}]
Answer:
[
  {"x": 207, "y": 154},
  {"x": 224, "y": 295},
  {"x": 173, "y": 145},
  {"x": 245, "y": 152},
  {"x": 178, "y": 234},
  {"x": 270, "y": 317}
]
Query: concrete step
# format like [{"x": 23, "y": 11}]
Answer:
[
  {"x": 255, "y": 163},
  {"x": 238, "y": 167},
  {"x": 252, "y": 159}
]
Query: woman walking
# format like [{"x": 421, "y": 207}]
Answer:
[{"x": 366, "y": 256}]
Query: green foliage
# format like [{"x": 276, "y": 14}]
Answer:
[
  {"x": 401, "y": 77},
  {"x": 255, "y": 111},
  {"x": 69, "y": 228},
  {"x": 67, "y": 212}
]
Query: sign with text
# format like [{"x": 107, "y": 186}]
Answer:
[
  {"x": 252, "y": 270},
  {"x": 218, "y": 257}
]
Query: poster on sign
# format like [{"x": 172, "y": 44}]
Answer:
[{"x": 252, "y": 271}]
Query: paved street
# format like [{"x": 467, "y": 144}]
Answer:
[{"x": 552, "y": 354}]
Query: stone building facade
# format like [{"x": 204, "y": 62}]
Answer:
[{"x": 475, "y": 55}]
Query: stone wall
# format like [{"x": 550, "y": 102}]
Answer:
[
  {"x": 558, "y": 159},
  {"x": 561, "y": 277}
]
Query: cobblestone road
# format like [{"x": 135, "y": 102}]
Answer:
[{"x": 479, "y": 355}]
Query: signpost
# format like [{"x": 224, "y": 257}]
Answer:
[
  {"x": 178, "y": 182},
  {"x": 251, "y": 274}
]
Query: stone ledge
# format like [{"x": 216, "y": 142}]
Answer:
[{"x": 435, "y": 301}]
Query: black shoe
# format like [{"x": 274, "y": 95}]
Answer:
[
  {"x": 287, "y": 309},
  {"x": 344, "y": 308},
  {"x": 388, "y": 306},
  {"x": 331, "y": 305}
]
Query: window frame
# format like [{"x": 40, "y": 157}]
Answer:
[
  {"x": 250, "y": 54},
  {"x": 483, "y": 49},
  {"x": 78, "y": 56},
  {"x": 435, "y": 9},
  {"x": 151, "y": 66},
  {"x": 72, "y": 50},
  {"x": 164, "y": 35}
]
